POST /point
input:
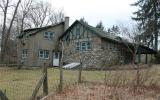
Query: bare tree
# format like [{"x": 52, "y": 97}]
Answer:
[
  {"x": 24, "y": 9},
  {"x": 42, "y": 14},
  {"x": 6, "y": 31},
  {"x": 38, "y": 14},
  {"x": 56, "y": 17},
  {"x": 133, "y": 44}
]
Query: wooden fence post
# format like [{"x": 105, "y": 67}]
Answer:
[
  {"x": 80, "y": 73},
  {"x": 45, "y": 82},
  {"x": 138, "y": 67},
  {"x": 40, "y": 82},
  {"x": 105, "y": 76},
  {"x": 61, "y": 69},
  {"x": 61, "y": 78}
]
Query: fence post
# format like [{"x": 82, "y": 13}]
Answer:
[
  {"x": 45, "y": 82},
  {"x": 105, "y": 76},
  {"x": 61, "y": 79},
  {"x": 80, "y": 73},
  {"x": 138, "y": 67}
]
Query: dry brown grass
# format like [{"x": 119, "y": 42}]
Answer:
[
  {"x": 118, "y": 85},
  {"x": 96, "y": 91},
  {"x": 19, "y": 84}
]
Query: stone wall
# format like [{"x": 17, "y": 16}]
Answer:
[
  {"x": 109, "y": 54},
  {"x": 103, "y": 53}
]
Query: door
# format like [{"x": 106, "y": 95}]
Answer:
[{"x": 56, "y": 58}]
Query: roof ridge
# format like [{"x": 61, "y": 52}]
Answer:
[
  {"x": 43, "y": 26},
  {"x": 38, "y": 29}
]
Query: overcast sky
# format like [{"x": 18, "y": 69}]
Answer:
[{"x": 110, "y": 12}]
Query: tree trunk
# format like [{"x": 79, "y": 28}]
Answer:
[
  {"x": 10, "y": 26},
  {"x": 4, "y": 32},
  {"x": 155, "y": 26}
]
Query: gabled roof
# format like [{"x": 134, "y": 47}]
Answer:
[
  {"x": 95, "y": 30},
  {"x": 33, "y": 31},
  {"x": 105, "y": 35}
]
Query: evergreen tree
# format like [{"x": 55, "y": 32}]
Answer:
[
  {"x": 148, "y": 18},
  {"x": 114, "y": 30},
  {"x": 83, "y": 20},
  {"x": 100, "y": 25}
]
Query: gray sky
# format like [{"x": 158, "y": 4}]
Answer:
[{"x": 110, "y": 12}]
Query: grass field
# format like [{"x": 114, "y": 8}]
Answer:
[{"x": 19, "y": 84}]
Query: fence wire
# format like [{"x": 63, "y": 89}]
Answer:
[{"x": 18, "y": 84}]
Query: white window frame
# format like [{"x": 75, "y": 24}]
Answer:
[
  {"x": 83, "y": 46},
  {"x": 88, "y": 44},
  {"x": 24, "y": 53},
  {"x": 49, "y": 35},
  {"x": 43, "y": 54},
  {"x": 46, "y": 53}
]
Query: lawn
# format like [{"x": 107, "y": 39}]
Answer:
[{"x": 19, "y": 84}]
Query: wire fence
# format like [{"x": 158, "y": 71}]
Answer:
[{"x": 19, "y": 84}]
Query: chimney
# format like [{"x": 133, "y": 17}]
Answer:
[{"x": 66, "y": 23}]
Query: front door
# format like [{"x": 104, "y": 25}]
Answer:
[{"x": 56, "y": 58}]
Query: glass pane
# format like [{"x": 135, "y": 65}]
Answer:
[
  {"x": 88, "y": 45},
  {"x": 56, "y": 55},
  {"x": 51, "y": 35},
  {"x": 41, "y": 53},
  {"x": 46, "y": 55},
  {"x": 83, "y": 45}
]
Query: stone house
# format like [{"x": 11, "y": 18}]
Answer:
[
  {"x": 37, "y": 46},
  {"x": 94, "y": 47}
]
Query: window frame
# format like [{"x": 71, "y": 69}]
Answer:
[
  {"x": 88, "y": 45},
  {"x": 48, "y": 35},
  {"x": 43, "y": 54},
  {"x": 83, "y": 46},
  {"x": 24, "y": 53}
]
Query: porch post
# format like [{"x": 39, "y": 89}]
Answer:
[
  {"x": 146, "y": 58},
  {"x": 139, "y": 56}
]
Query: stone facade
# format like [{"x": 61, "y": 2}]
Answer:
[{"x": 103, "y": 52}]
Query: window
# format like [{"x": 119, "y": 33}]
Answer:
[
  {"x": 48, "y": 35},
  {"x": 88, "y": 45},
  {"x": 56, "y": 56},
  {"x": 44, "y": 54},
  {"x": 41, "y": 54},
  {"x": 24, "y": 53},
  {"x": 85, "y": 45}
]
